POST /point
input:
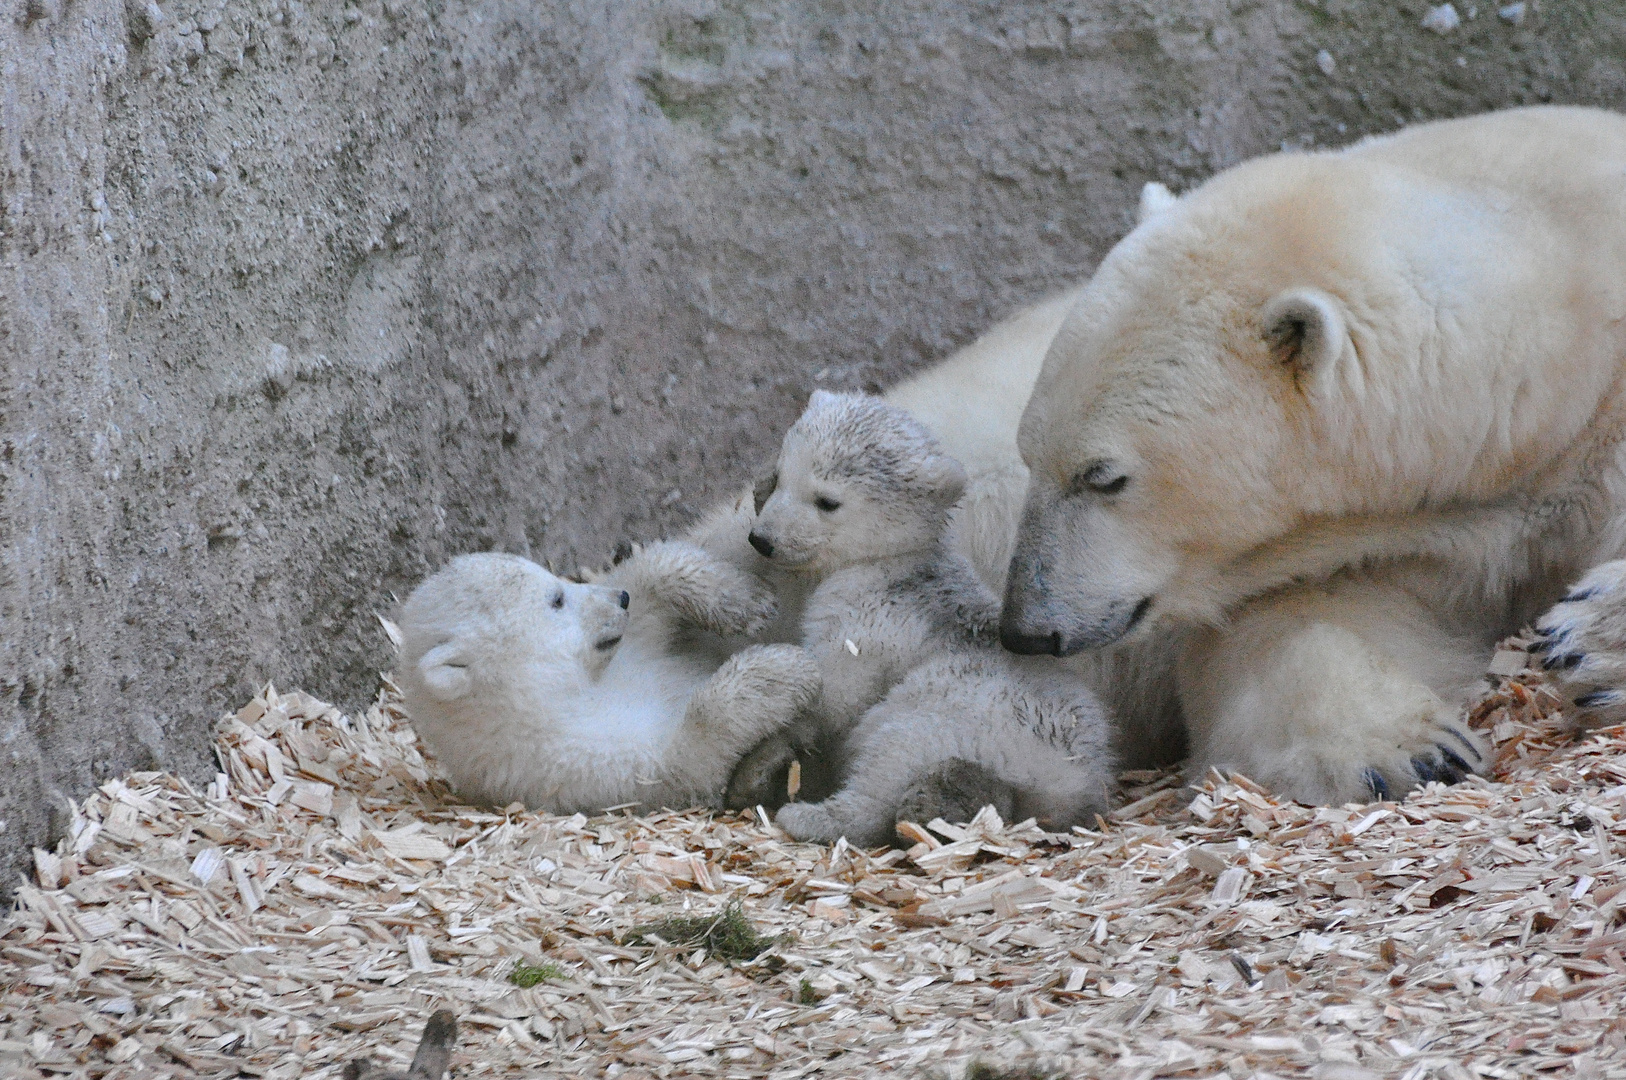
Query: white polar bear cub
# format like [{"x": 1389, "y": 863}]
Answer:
[
  {"x": 571, "y": 697},
  {"x": 905, "y": 635}
]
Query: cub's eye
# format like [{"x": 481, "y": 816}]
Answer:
[
  {"x": 826, "y": 504},
  {"x": 559, "y": 599},
  {"x": 1103, "y": 478}
]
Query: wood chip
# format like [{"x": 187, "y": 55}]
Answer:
[{"x": 319, "y": 898}]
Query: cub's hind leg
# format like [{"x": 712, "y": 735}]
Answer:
[{"x": 955, "y": 790}]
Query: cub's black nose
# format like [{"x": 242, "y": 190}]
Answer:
[
  {"x": 625, "y": 599},
  {"x": 763, "y": 545},
  {"x": 1028, "y": 644}
]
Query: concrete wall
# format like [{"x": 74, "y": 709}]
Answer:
[{"x": 298, "y": 299}]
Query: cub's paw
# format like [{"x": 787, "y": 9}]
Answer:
[
  {"x": 742, "y": 604},
  {"x": 809, "y": 822},
  {"x": 698, "y": 587},
  {"x": 955, "y": 790},
  {"x": 762, "y": 777},
  {"x": 1582, "y": 645}
]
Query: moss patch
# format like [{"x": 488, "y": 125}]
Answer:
[
  {"x": 728, "y": 934},
  {"x": 528, "y": 975}
]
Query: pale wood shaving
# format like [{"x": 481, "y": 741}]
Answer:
[{"x": 325, "y": 893}]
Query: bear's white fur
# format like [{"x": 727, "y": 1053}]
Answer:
[
  {"x": 574, "y": 697},
  {"x": 1352, "y": 416},
  {"x": 904, "y": 633}
]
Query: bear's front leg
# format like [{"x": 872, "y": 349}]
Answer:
[
  {"x": 1334, "y": 694},
  {"x": 1583, "y": 645}
]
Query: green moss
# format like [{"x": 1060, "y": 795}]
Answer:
[
  {"x": 727, "y": 935},
  {"x": 981, "y": 1070},
  {"x": 806, "y": 995},
  {"x": 528, "y": 975}
]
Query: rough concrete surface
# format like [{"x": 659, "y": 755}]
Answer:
[{"x": 297, "y": 299}]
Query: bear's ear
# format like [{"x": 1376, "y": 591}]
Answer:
[
  {"x": 944, "y": 476},
  {"x": 1306, "y": 332},
  {"x": 764, "y": 489},
  {"x": 445, "y": 671},
  {"x": 1154, "y": 199}
]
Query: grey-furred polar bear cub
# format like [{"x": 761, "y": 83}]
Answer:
[
  {"x": 574, "y": 697},
  {"x": 932, "y": 715}
]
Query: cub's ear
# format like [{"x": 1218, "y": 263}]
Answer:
[
  {"x": 764, "y": 489},
  {"x": 1154, "y": 199},
  {"x": 445, "y": 671},
  {"x": 1306, "y": 331},
  {"x": 945, "y": 476}
]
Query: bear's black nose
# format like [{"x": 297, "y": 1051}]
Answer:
[
  {"x": 625, "y": 599},
  {"x": 762, "y": 544}
]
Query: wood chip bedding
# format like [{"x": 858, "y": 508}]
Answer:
[{"x": 326, "y": 893}]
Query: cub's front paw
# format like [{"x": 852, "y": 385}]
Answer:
[
  {"x": 808, "y": 822},
  {"x": 743, "y": 604},
  {"x": 1582, "y": 645}
]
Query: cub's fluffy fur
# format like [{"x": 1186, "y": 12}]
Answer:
[
  {"x": 572, "y": 697},
  {"x": 906, "y": 636}
]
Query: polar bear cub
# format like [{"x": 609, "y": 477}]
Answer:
[
  {"x": 574, "y": 697},
  {"x": 929, "y": 710}
]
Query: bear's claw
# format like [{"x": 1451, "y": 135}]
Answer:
[
  {"x": 1467, "y": 743},
  {"x": 1448, "y": 768},
  {"x": 1582, "y": 644},
  {"x": 1376, "y": 784}
]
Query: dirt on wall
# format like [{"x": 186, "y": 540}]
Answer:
[{"x": 297, "y": 299}]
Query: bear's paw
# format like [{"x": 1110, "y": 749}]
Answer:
[{"x": 1582, "y": 645}]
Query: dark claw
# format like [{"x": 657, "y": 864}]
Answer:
[
  {"x": 1596, "y": 698},
  {"x": 1465, "y": 741},
  {"x": 1376, "y": 784},
  {"x": 1546, "y": 641},
  {"x": 1457, "y": 763},
  {"x": 1565, "y": 661},
  {"x": 1448, "y": 773},
  {"x": 1424, "y": 769},
  {"x": 1579, "y": 594}
]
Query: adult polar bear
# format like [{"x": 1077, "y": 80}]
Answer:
[{"x": 1352, "y": 415}]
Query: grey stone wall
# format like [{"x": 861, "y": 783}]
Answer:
[{"x": 299, "y": 298}]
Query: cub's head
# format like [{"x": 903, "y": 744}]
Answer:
[
  {"x": 856, "y": 480},
  {"x": 502, "y": 627}
]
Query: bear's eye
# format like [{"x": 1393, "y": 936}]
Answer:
[
  {"x": 1101, "y": 478},
  {"x": 559, "y": 599},
  {"x": 826, "y": 504}
]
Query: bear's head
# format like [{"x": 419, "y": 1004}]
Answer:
[
  {"x": 857, "y": 480},
  {"x": 1258, "y": 360},
  {"x": 499, "y": 626}
]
